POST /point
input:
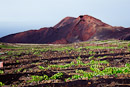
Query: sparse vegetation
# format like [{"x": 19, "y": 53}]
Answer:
[{"x": 36, "y": 65}]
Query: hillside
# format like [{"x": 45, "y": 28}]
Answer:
[{"x": 69, "y": 30}]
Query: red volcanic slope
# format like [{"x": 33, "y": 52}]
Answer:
[{"x": 71, "y": 30}]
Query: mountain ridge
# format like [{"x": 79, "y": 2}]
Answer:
[{"x": 69, "y": 30}]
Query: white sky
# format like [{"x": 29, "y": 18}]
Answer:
[{"x": 22, "y": 15}]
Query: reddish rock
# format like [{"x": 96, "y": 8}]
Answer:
[{"x": 71, "y": 30}]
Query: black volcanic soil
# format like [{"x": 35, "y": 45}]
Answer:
[
  {"x": 21, "y": 61},
  {"x": 71, "y": 30}
]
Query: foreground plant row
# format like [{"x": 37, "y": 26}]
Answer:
[{"x": 80, "y": 74}]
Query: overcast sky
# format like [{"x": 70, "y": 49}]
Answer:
[{"x": 22, "y": 15}]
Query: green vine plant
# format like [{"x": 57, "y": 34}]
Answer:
[
  {"x": 97, "y": 72},
  {"x": 77, "y": 63},
  {"x": 36, "y": 78}
]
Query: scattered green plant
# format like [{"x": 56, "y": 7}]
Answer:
[
  {"x": 129, "y": 45},
  {"x": 111, "y": 51},
  {"x": 41, "y": 67},
  {"x": 17, "y": 61},
  {"x": 97, "y": 72},
  {"x": 19, "y": 70},
  {"x": 36, "y": 78},
  {"x": 100, "y": 47},
  {"x": 91, "y": 57},
  {"x": 46, "y": 77},
  {"x": 1, "y": 71},
  {"x": 3, "y": 57},
  {"x": 57, "y": 76},
  {"x": 7, "y": 46},
  {"x": 2, "y": 84}
]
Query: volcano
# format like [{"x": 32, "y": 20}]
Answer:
[{"x": 69, "y": 30}]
